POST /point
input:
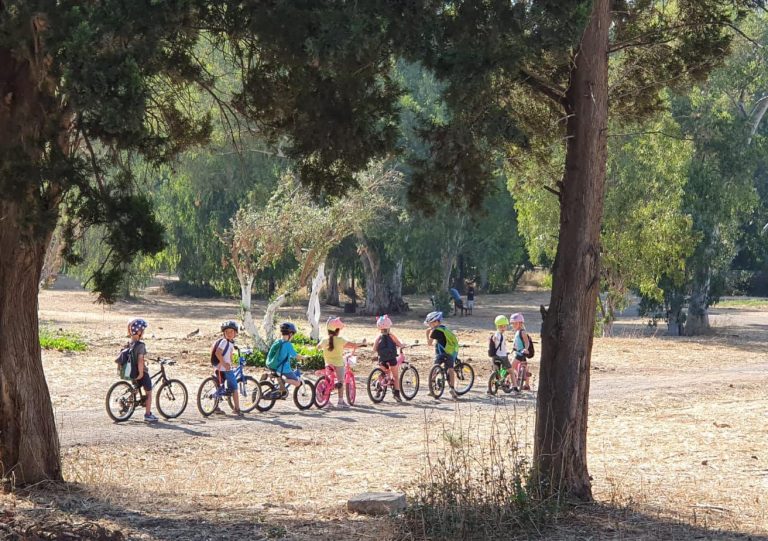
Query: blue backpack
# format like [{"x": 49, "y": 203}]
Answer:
[{"x": 125, "y": 362}]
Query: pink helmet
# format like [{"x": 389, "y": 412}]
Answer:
[
  {"x": 334, "y": 324},
  {"x": 383, "y": 322},
  {"x": 517, "y": 318}
]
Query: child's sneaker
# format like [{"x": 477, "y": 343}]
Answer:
[
  {"x": 149, "y": 418},
  {"x": 454, "y": 394},
  {"x": 342, "y": 405},
  {"x": 396, "y": 394},
  {"x": 526, "y": 387}
]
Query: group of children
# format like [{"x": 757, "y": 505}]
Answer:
[{"x": 282, "y": 353}]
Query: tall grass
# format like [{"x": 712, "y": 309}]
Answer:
[{"x": 476, "y": 484}]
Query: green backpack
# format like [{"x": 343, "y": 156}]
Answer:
[{"x": 451, "y": 342}]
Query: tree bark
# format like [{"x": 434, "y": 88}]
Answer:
[
  {"x": 697, "y": 321},
  {"x": 313, "y": 308},
  {"x": 560, "y": 449},
  {"x": 29, "y": 443},
  {"x": 383, "y": 294},
  {"x": 332, "y": 285}
]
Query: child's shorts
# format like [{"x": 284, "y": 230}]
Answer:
[
  {"x": 470, "y": 303},
  {"x": 229, "y": 377},
  {"x": 444, "y": 359},
  {"x": 286, "y": 370},
  {"x": 391, "y": 362},
  {"x": 503, "y": 361},
  {"x": 145, "y": 382}
]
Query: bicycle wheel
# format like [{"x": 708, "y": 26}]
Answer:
[
  {"x": 250, "y": 394},
  {"x": 172, "y": 398},
  {"x": 121, "y": 401},
  {"x": 375, "y": 385},
  {"x": 268, "y": 396},
  {"x": 207, "y": 396},
  {"x": 494, "y": 382},
  {"x": 322, "y": 392},
  {"x": 304, "y": 395},
  {"x": 409, "y": 383},
  {"x": 465, "y": 378},
  {"x": 350, "y": 388},
  {"x": 436, "y": 381}
]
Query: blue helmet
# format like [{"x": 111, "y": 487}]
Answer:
[
  {"x": 433, "y": 316},
  {"x": 137, "y": 325},
  {"x": 288, "y": 328}
]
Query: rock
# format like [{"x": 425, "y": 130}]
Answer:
[{"x": 377, "y": 503}]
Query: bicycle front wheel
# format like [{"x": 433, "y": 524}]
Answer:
[
  {"x": 304, "y": 395},
  {"x": 172, "y": 398},
  {"x": 494, "y": 382},
  {"x": 121, "y": 401},
  {"x": 350, "y": 388},
  {"x": 268, "y": 396},
  {"x": 322, "y": 392},
  {"x": 376, "y": 388},
  {"x": 465, "y": 378},
  {"x": 207, "y": 396},
  {"x": 250, "y": 394},
  {"x": 436, "y": 381},
  {"x": 409, "y": 383}
]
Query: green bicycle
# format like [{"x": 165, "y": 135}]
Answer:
[{"x": 498, "y": 379}]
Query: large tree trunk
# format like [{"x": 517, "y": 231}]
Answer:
[
  {"x": 560, "y": 449},
  {"x": 332, "y": 284},
  {"x": 697, "y": 321},
  {"x": 29, "y": 444},
  {"x": 383, "y": 294},
  {"x": 313, "y": 307}
]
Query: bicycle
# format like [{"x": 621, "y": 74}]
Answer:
[
  {"x": 171, "y": 396},
  {"x": 380, "y": 380},
  {"x": 521, "y": 373},
  {"x": 328, "y": 380},
  {"x": 303, "y": 395},
  {"x": 214, "y": 388},
  {"x": 464, "y": 378},
  {"x": 498, "y": 379}
]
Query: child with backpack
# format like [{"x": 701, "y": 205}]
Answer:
[
  {"x": 523, "y": 348},
  {"x": 446, "y": 346},
  {"x": 139, "y": 370},
  {"x": 333, "y": 354},
  {"x": 385, "y": 347},
  {"x": 221, "y": 359},
  {"x": 279, "y": 358},
  {"x": 497, "y": 346}
]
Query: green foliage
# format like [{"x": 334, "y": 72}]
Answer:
[
  {"x": 442, "y": 302},
  {"x": 303, "y": 339},
  {"x": 61, "y": 340},
  {"x": 256, "y": 358},
  {"x": 313, "y": 357}
]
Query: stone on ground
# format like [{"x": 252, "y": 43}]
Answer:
[{"x": 377, "y": 503}]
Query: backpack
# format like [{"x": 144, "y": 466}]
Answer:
[
  {"x": 386, "y": 348},
  {"x": 275, "y": 355},
  {"x": 451, "y": 342},
  {"x": 529, "y": 347},
  {"x": 214, "y": 358},
  {"x": 125, "y": 363},
  {"x": 492, "y": 349}
]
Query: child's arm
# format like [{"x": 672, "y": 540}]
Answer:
[
  {"x": 429, "y": 337},
  {"x": 397, "y": 342}
]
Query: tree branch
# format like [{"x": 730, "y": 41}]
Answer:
[{"x": 552, "y": 92}]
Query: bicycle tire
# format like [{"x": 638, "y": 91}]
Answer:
[
  {"x": 350, "y": 389},
  {"x": 304, "y": 395},
  {"x": 267, "y": 400},
  {"x": 465, "y": 378},
  {"x": 409, "y": 383},
  {"x": 322, "y": 392},
  {"x": 172, "y": 397},
  {"x": 207, "y": 399},
  {"x": 376, "y": 391},
  {"x": 494, "y": 383},
  {"x": 250, "y": 394},
  {"x": 437, "y": 379},
  {"x": 125, "y": 401}
]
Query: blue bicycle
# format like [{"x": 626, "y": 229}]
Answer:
[{"x": 214, "y": 389}]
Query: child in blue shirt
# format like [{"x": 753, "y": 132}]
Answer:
[{"x": 280, "y": 356}]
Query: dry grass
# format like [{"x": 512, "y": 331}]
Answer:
[{"x": 674, "y": 450}]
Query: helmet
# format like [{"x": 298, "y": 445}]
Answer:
[
  {"x": 137, "y": 325},
  {"x": 334, "y": 324},
  {"x": 383, "y": 322},
  {"x": 517, "y": 317},
  {"x": 433, "y": 316},
  {"x": 501, "y": 320},
  {"x": 287, "y": 328},
  {"x": 230, "y": 324}
]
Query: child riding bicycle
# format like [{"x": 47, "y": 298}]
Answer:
[
  {"x": 136, "y": 329},
  {"x": 520, "y": 345},
  {"x": 280, "y": 356},
  {"x": 222, "y": 358},
  {"x": 500, "y": 357},
  {"x": 333, "y": 354},
  {"x": 446, "y": 346},
  {"x": 385, "y": 347}
]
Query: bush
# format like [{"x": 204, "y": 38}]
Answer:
[
  {"x": 314, "y": 357},
  {"x": 442, "y": 302},
  {"x": 302, "y": 339},
  {"x": 61, "y": 341},
  {"x": 185, "y": 289},
  {"x": 256, "y": 358}
]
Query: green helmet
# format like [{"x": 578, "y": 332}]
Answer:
[{"x": 501, "y": 320}]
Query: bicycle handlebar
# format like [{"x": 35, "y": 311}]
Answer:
[{"x": 163, "y": 361}]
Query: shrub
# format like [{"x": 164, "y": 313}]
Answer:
[
  {"x": 62, "y": 341},
  {"x": 256, "y": 358},
  {"x": 442, "y": 302},
  {"x": 302, "y": 339},
  {"x": 314, "y": 357}
]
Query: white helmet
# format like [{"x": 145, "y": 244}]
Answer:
[{"x": 433, "y": 316}]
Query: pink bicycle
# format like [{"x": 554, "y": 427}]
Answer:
[
  {"x": 379, "y": 380},
  {"x": 328, "y": 380}
]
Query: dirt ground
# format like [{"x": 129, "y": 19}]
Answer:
[{"x": 677, "y": 435}]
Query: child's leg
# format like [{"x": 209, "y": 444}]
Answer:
[
  {"x": 395, "y": 376},
  {"x": 515, "y": 368},
  {"x": 340, "y": 371},
  {"x": 148, "y": 403}
]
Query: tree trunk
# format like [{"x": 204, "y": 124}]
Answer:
[
  {"x": 332, "y": 285},
  {"x": 697, "y": 321},
  {"x": 560, "y": 449},
  {"x": 313, "y": 308},
  {"x": 29, "y": 444},
  {"x": 383, "y": 294}
]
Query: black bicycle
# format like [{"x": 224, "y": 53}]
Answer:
[
  {"x": 125, "y": 396},
  {"x": 438, "y": 378}
]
